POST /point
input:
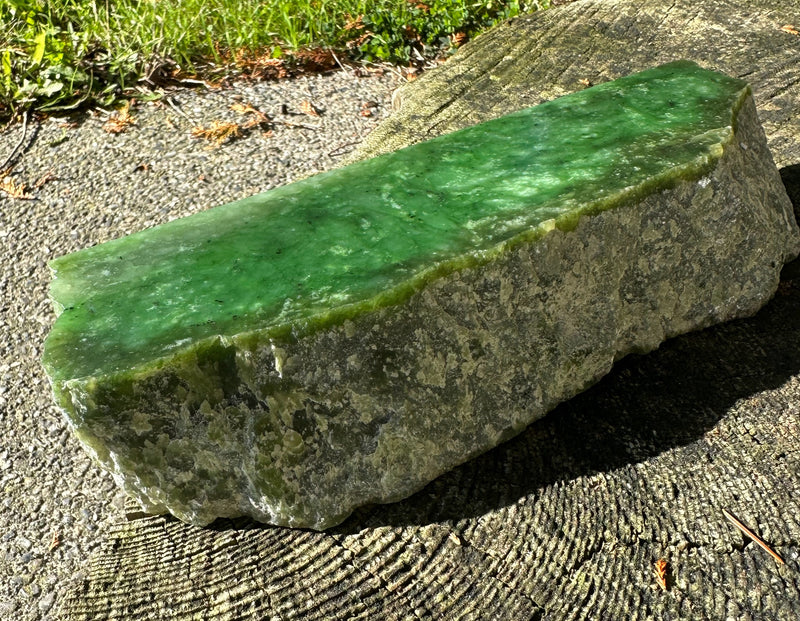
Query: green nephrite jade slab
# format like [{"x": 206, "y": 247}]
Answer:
[{"x": 347, "y": 338}]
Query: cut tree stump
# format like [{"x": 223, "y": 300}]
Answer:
[{"x": 567, "y": 520}]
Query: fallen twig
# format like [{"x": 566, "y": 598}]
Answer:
[
  {"x": 19, "y": 144},
  {"x": 11, "y": 187},
  {"x": 303, "y": 125},
  {"x": 171, "y": 103},
  {"x": 54, "y": 542},
  {"x": 338, "y": 62},
  {"x": 47, "y": 177},
  {"x": 753, "y": 536},
  {"x": 338, "y": 150}
]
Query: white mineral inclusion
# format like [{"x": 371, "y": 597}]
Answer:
[{"x": 279, "y": 357}]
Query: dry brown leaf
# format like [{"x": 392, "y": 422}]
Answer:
[
  {"x": 261, "y": 67},
  {"x": 315, "y": 59},
  {"x": 790, "y": 29},
  {"x": 354, "y": 24},
  {"x": 47, "y": 177},
  {"x": 218, "y": 132},
  {"x": 241, "y": 108},
  {"x": 259, "y": 118},
  {"x": 367, "y": 108},
  {"x": 458, "y": 38},
  {"x": 306, "y": 107},
  {"x": 120, "y": 121},
  {"x": 357, "y": 24},
  {"x": 661, "y": 573},
  {"x": 12, "y": 188},
  {"x": 254, "y": 122},
  {"x": 360, "y": 39}
]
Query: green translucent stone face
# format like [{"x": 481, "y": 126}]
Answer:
[{"x": 369, "y": 234}]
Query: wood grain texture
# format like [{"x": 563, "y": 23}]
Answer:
[
  {"x": 541, "y": 56},
  {"x": 567, "y": 520}
]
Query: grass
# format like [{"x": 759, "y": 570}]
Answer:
[{"x": 64, "y": 54}]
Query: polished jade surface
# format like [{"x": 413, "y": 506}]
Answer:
[{"x": 368, "y": 235}]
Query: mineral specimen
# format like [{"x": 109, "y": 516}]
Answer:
[{"x": 345, "y": 339}]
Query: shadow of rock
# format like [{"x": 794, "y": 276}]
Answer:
[{"x": 790, "y": 175}]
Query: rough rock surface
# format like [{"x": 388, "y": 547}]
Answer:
[
  {"x": 566, "y": 520},
  {"x": 299, "y": 430}
]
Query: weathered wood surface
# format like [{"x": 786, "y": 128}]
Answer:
[
  {"x": 542, "y": 56},
  {"x": 567, "y": 520}
]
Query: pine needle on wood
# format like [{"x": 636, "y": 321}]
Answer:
[{"x": 753, "y": 536}]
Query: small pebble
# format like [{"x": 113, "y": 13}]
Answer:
[
  {"x": 46, "y": 601},
  {"x": 6, "y": 608}
]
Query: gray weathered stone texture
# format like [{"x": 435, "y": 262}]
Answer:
[{"x": 566, "y": 520}]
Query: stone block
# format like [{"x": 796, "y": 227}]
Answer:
[{"x": 347, "y": 338}]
